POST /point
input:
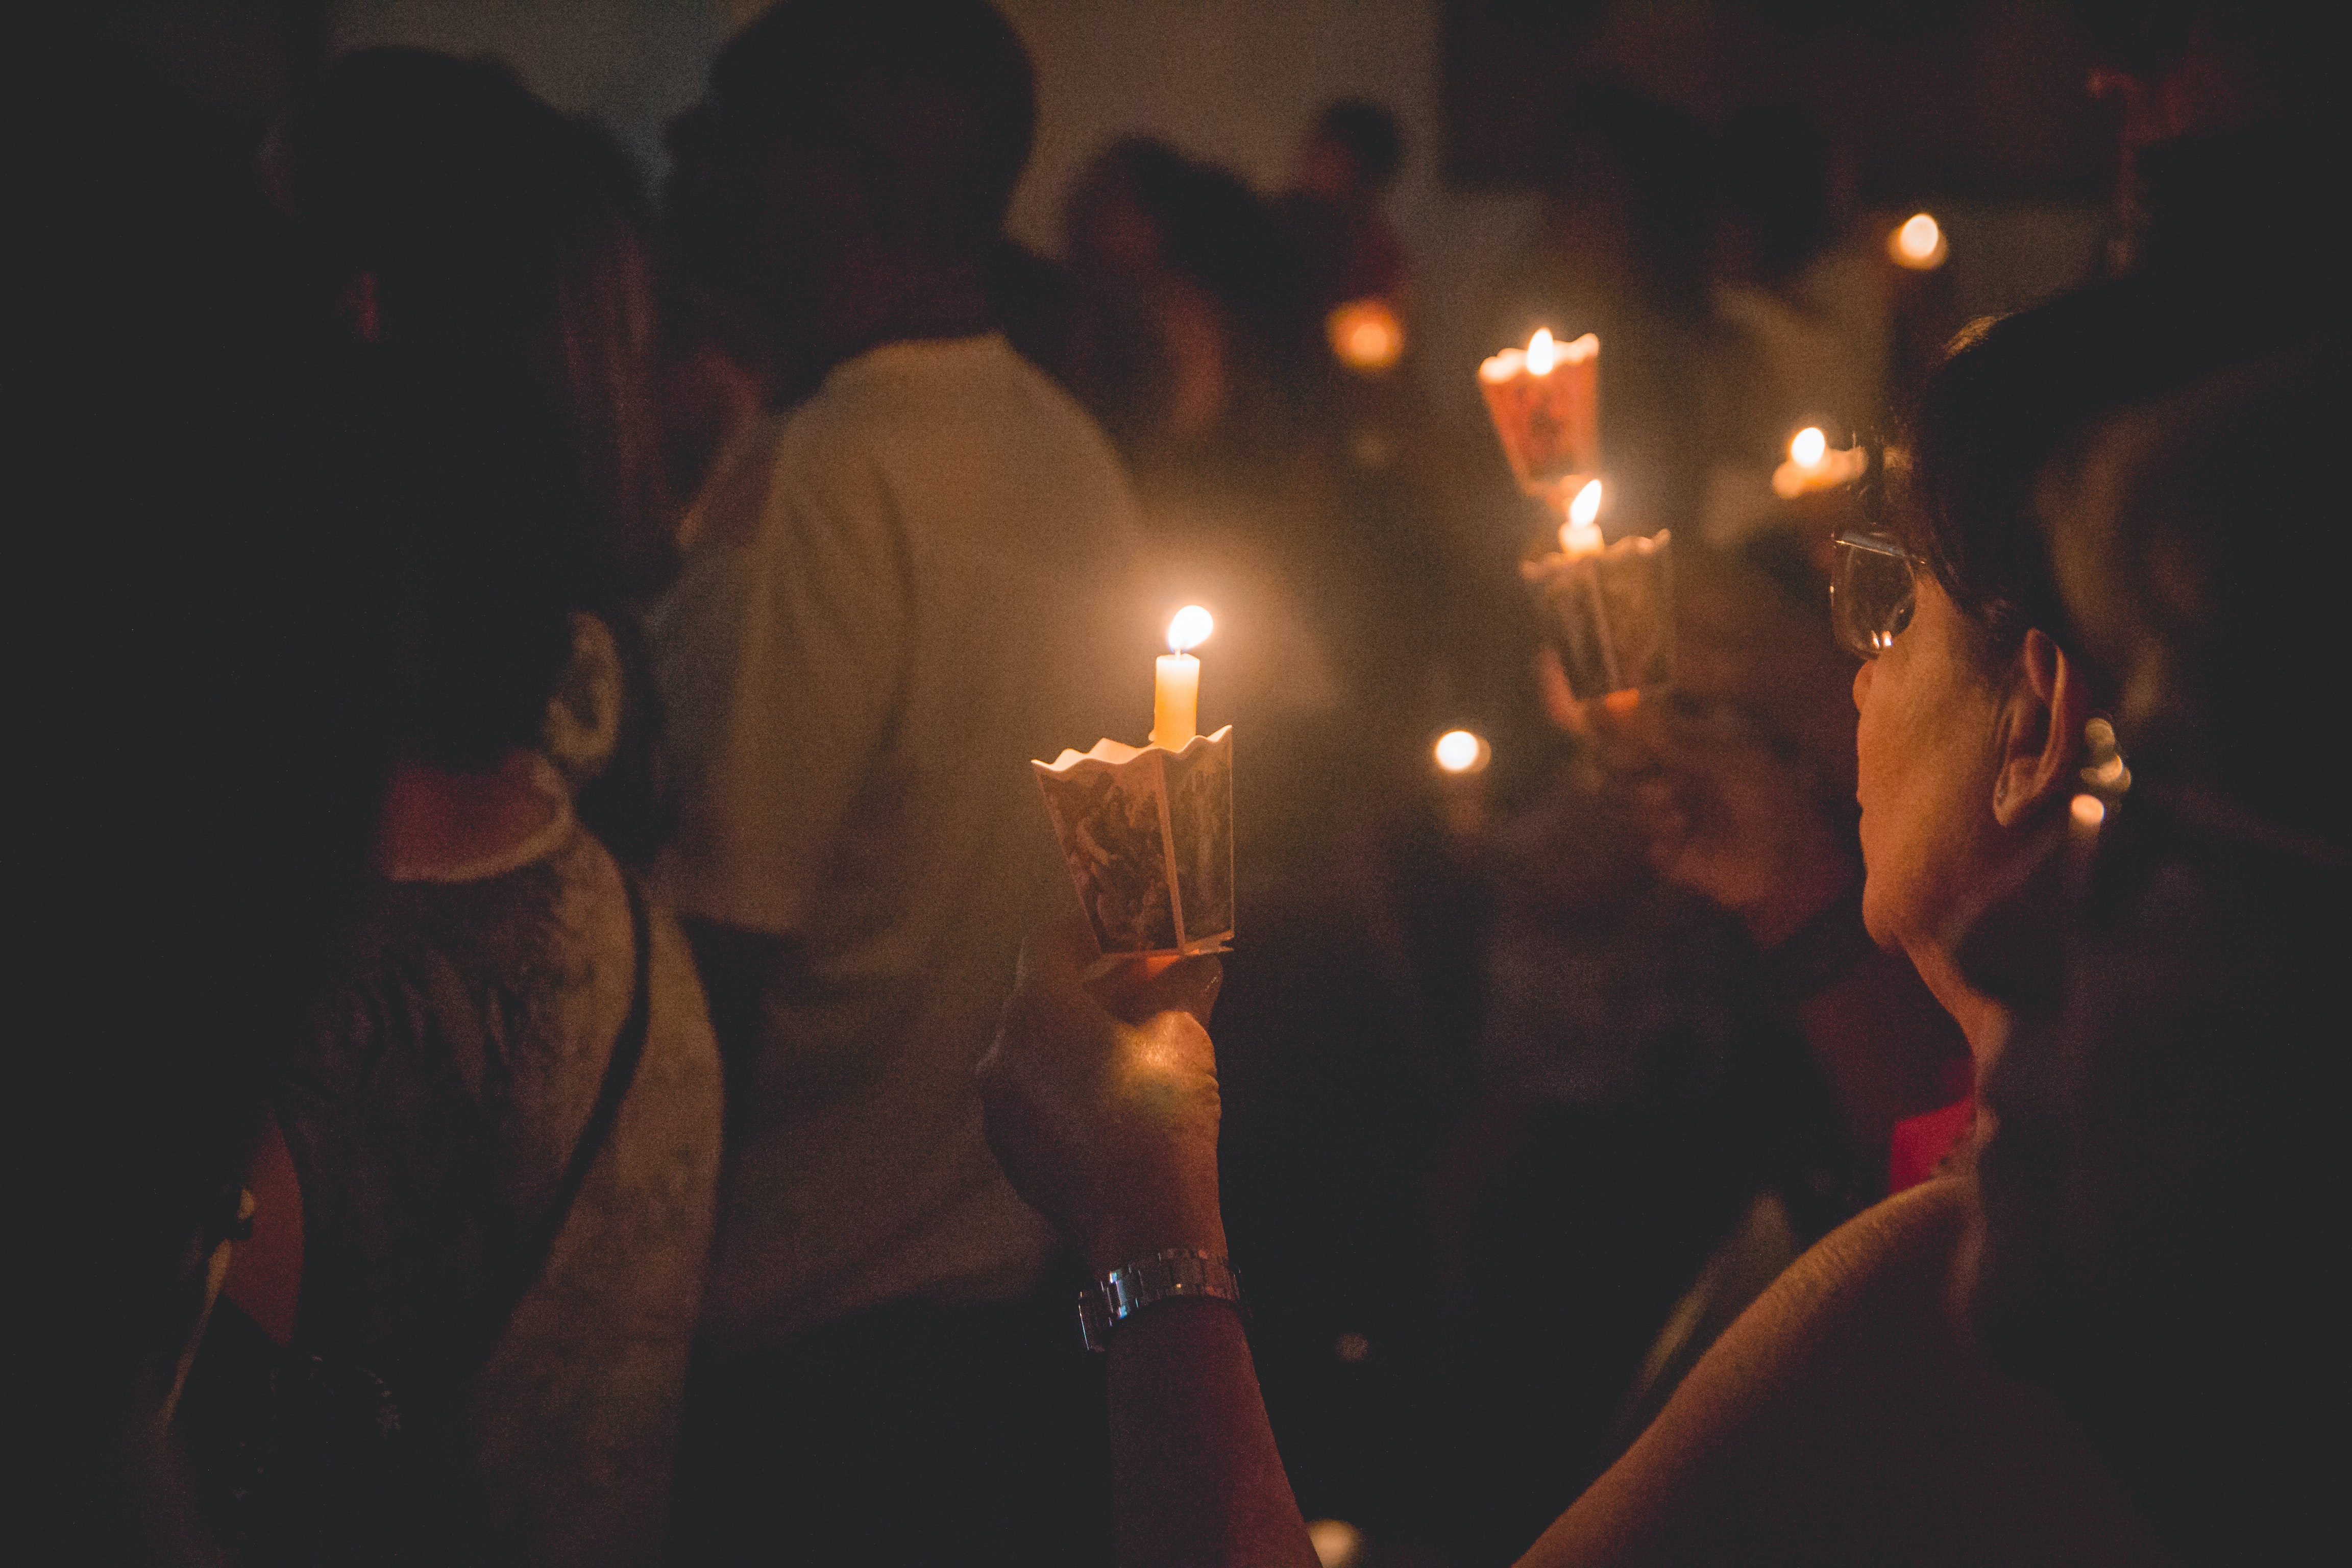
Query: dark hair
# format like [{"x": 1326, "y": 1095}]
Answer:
[
  {"x": 2010, "y": 395},
  {"x": 936, "y": 96},
  {"x": 2227, "y": 504},
  {"x": 457, "y": 499},
  {"x": 1368, "y": 134},
  {"x": 503, "y": 233}
]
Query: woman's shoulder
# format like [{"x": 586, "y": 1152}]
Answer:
[{"x": 1848, "y": 1416}]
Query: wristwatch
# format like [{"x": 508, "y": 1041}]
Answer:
[{"x": 1128, "y": 1288}]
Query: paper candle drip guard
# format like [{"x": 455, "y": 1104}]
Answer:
[{"x": 1147, "y": 835}]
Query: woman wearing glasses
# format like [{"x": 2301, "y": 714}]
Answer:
[{"x": 1847, "y": 1417}]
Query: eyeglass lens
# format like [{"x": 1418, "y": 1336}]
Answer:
[{"x": 1871, "y": 595}]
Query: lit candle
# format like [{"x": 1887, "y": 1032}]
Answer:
[
  {"x": 1814, "y": 465},
  {"x": 1580, "y": 534},
  {"x": 1917, "y": 243},
  {"x": 1176, "y": 688},
  {"x": 1545, "y": 400}
]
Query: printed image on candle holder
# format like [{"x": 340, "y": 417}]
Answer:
[
  {"x": 1146, "y": 834},
  {"x": 1545, "y": 400},
  {"x": 1200, "y": 812},
  {"x": 1610, "y": 613}
]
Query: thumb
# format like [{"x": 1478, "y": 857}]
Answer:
[{"x": 1136, "y": 991}]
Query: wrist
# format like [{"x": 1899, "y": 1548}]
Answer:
[{"x": 1187, "y": 1221}]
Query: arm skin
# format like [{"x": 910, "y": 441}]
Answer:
[
  {"x": 1845, "y": 1418},
  {"x": 1110, "y": 1128}
]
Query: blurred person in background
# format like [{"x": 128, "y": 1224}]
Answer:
[
  {"x": 908, "y": 580},
  {"x": 503, "y": 1126},
  {"x": 1693, "y": 1058},
  {"x": 197, "y": 769},
  {"x": 1347, "y": 167},
  {"x": 447, "y": 213},
  {"x": 1803, "y": 324}
]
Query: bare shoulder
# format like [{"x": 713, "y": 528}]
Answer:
[{"x": 1847, "y": 1417}]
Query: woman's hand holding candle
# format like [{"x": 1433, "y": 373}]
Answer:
[{"x": 1101, "y": 1098}]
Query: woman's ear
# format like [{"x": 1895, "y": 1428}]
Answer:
[
  {"x": 583, "y": 718},
  {"x": 2040, "y": 731}
]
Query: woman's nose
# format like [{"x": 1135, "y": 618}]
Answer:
[{"x": 1861, "y": 683}]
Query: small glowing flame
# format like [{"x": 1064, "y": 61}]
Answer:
[
  {"x": 1366, "y": 336},
  {"x": 1460, "y": 751},
  {"x": 1190, "y": 630},
  {"x": 1580, "y": 534},
  {"x": 1919, "y": 244},
  {"x": 1808, "y": 447},
  {"x": 2088, "y": 811},
  {"x": 1541, "y": 352},
  {"x": 1586, "y": 508}
]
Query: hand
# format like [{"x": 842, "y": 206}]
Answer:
[
  {"x": 1101, "y": 1101},
  {"x": 1724, "y": 807}
]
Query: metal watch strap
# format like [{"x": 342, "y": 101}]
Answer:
[{"x": 1128, "y": 1288}]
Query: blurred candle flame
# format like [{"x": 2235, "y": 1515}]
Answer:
[
  {"x": 1366, "y": 336},
  {"x": 1541, "y": 352},
  {"x": 1808, "y": 447},
  {"x": 2088, "y": 811},
  {"x": 1919, "y": 244},
  {"x": 1460, "y": 751},
  {"x": 1190, "y": 630},
  {"x": 1580, "y": 534}
]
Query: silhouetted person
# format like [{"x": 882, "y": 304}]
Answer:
[
  {"x": 446, "y": 213},
  {"x": 904, "y": 585},
  {"x": 2159, "y": 1181}
]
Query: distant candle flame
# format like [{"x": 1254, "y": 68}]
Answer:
[
  {"x": 1919, "y": 243},
  {"x": 2089, "y": 811},
  {"x": 1366, "y": 336},
  {"x": 1190, "y": 630},
  {"x": 1501, "y": 367},
  {"x": 1808, "y": 447},
  {"x": 1460, "y": 751}
]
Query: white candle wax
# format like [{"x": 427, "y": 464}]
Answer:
[{"x": 1176, "y": 700}]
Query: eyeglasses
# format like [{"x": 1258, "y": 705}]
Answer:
[{"x": 1871, "y": 591}]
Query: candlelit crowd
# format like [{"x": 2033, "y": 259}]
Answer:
[{"x": 579, "y": 1046}]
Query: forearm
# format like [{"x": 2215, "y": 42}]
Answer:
[{"x": 1195, "y": 1480}]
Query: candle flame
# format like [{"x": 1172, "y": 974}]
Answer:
[
  {"x": 1808, "y": 447},
  {"x": 1501, "y": 367},
  {"x": 1366, "y": 336},
  {"x": 2088, "y": 811},
  {"x": 1460, "y": 751},
  {"x": 1190, "y": 630},
  {"x": 1586, "y": 508},
  {"x": 1919, "y": 243}
]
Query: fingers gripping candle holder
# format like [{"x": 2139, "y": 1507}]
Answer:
[{"x": 1148, "y": 834}]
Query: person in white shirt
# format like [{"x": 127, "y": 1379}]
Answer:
[{"x": 895, "y": 594}]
